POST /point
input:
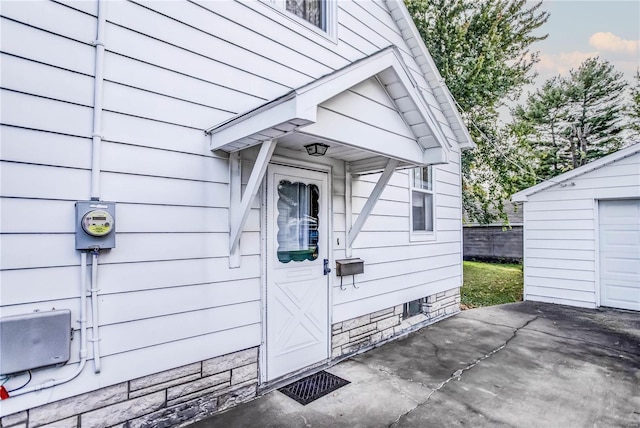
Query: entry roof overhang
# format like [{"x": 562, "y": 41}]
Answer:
[{"x": 297, "y": 109}]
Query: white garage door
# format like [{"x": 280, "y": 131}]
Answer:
[{"x": 620, "y": 254}]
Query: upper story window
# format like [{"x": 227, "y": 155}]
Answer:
[
  {"x": 422, "y": 200},
  {"x": 319, "y": 16},
  {"x": 313, "y": 11}
]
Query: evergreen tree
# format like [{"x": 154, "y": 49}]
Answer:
[
  {"x": 634, "y": 108},
  {"x": 571, "y": 121},
  {"x": 481, "y": 48},
  {"x": 596, "y": 114},
  {"x": 544, "y": 120}
]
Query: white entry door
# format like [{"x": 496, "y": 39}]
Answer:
[
  {"x": 297, "y": 295},
  {"x": 620, "y": 254}
]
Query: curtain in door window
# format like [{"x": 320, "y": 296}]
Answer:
[{"x": 298, "y": 210}]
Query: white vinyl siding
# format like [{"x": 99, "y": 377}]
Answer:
[
  {"x": 173, "y": 69},
  {"x": 319, "y": 16},
  {"x": 561, "y": 233},
  {"x": 398, "y": 270}
]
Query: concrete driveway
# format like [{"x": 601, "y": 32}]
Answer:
[{"x": 517, "y": 365}]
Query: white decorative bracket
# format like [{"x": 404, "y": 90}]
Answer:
[
  {"x": 348, "y": 213},
  {"x": 392, "y": 164},
  {"x": 239, "y": 208},
  {"x": 235, "y": 199}
]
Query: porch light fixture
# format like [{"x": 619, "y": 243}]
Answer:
[{"x": 316, "y": 149}]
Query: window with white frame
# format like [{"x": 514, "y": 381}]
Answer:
[
  {"x": 422, "y": 196},
  {"x": 318, "y": 15},
  {"x": 313, "y": 11}
]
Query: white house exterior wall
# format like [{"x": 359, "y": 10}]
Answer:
[
  {"x": 561, "y": 233},
  {"x": 167, "y": 295},
  {"x": 391, "y": 258}
]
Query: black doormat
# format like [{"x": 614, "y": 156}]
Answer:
[{"x": 312, "y": 387}]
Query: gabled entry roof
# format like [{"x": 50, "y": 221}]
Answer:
[{"x": 294, "y": 111}]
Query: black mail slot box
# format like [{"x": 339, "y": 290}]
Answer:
[{"x": 347, "y": 267}]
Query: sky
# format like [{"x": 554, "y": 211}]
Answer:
[{"x": 581, "y": 29}]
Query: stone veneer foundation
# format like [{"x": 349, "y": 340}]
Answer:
[
  {"x": 359, "y": 334},
  {"x": 171, "y": 398},
  {"x": 184, "y": 395}
]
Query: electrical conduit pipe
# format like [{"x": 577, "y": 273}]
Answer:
[
  {"x": 96, "y": 148},
  {"x": 95, "y": 195},
  {"x": 98, "y": 85},
  {"x": 95, "y": 338}
]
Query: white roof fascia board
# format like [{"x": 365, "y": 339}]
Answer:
[
  {"x": 253, "y": 122},
  {"x": 339, "y": 81},
  {"x": 246, "y": 115},
  {"x": 435, "y": 155},
  {"x": 523, "y": 195},
  {"x": 413, "y": 39},
  {"x": 420, "y": 104}
]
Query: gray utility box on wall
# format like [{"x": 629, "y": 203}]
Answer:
[
  {"x": 95, "y": 225},
  {"x": 34, "y": 340},
  {"x": 346, "y": 267}
]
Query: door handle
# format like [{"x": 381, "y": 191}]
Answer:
[{"x": 327, "y": 269}]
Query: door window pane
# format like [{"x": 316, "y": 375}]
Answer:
[{"x": 298, "y": 209}]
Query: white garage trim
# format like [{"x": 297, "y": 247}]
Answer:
[
  {"x": 596, "y": 220},
  {"x": 618, "y": 264}
]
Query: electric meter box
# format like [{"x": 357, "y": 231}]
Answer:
[{"x": 95, "y": 225}]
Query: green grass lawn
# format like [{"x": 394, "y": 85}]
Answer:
[{"x": 487, "y": 284}]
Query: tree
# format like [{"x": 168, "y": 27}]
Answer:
[
  {"x": 544, "y": 120},
  {"x": 481, "y": 48},
  {"x": 595, "y": 91},
  {"x": 634, "y": 107},
  {"x": 571, "y": 121}
]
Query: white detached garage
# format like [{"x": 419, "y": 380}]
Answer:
[{"x": 582, "y": 235}]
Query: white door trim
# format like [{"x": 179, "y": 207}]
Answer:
[
  {"x": 293, "y": 163},
  {"x": 596, "y": 224}
]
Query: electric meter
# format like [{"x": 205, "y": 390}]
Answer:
[{"x": 95, "y": 225}]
